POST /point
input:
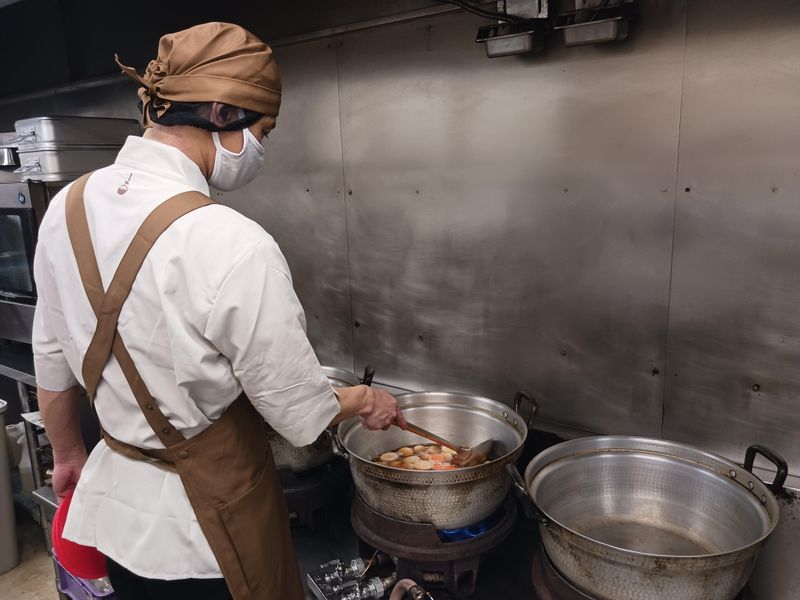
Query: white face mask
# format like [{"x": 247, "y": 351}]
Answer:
[{"x": 233, "y": 171}]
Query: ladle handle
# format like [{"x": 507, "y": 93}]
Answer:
[
  {"x": 431, "y": 436},
  {"x": 369, "y": 374}
]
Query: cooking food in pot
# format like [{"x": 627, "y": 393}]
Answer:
[{"x": 422, "y": 457}]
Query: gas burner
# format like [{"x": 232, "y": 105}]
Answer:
[
  {"x": 311, "y": 494},
  {"x": 437, "y": 559},
  {"x": 549, "y": 584}
]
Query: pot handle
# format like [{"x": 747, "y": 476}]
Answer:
[
  {"x": 773, "y": 457},
  {"x": 531, "y": 510},
  {"x": 337, "y": 445},
  {"x": 369, "y": 373},
  {"x": 517, "y": 481},
  {"x": 518, "y": 398}
]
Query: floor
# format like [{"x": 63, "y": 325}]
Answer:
[{"x": 33, "y": 579}]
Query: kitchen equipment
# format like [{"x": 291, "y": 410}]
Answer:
[
  {"x": 627, "y": 518},
  {"x": 312, "y": 481},
  {"x": 74, "y": 130},
  {"x": 22, "y": 207},
  {"x": 313, "y": 494},
  {"x": 52, "y": 162},
  {"x": 506, "y": 39},
  {"x": 447, "y": 559},
  {"x": 8, "y": 157},
  {"x": 465, "y": 457},
  {"x": 599, "y": 21},
  {"x": 445, "y": 499},
  {"x": 287, "y": 456}
]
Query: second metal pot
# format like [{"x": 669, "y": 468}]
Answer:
[{"x": 626, "y": 518}]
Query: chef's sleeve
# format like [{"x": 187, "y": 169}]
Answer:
[
  {"x": 257, "y": 322},
  {"x": 52, "y": 370}
]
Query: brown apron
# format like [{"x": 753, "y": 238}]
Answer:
[{"x": 227, "y": 469}]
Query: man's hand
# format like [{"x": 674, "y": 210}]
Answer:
[
  {"x": 380, "y": 410},
  {"x": 66, "y": 475},
  {"x": 377, "y": 408},
  {"x": 63, "y": 425}
]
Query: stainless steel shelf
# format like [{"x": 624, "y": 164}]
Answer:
[{"x": 16, "y": 362}]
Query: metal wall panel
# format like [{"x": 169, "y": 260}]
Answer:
[
  {"x": 511, "y": 220},
  {"x": 298, "y": 197},
  {"x": 734, "y": 336}
]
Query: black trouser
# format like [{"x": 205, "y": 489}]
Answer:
[{"x": 128, "y": 586}]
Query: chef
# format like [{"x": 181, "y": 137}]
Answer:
[{"x": 178, "y": 316}]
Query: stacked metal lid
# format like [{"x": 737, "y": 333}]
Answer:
[{"x": 63, "y": 148}]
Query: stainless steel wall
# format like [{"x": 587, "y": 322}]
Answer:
[
  {"x": 508, "y": 226},
  {"x": 484, "y": 226},
  {"x": 734, "y": 336},
  {"x": 299, "y": 197}
]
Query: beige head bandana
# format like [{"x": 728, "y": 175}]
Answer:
[{"x": 213, "y": 62}]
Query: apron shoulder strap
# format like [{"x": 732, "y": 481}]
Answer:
[
  {"x": 81, "y": 240},
  {"x": 107, "y": 305}
]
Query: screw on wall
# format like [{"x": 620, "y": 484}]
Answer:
[
  {"x": 563, "y": 352},
  {"x": 756, "y": 387},
  {"x": 688, "y": 189},
  {"x": 774, "y": 188},
  {"x": 356, "y": 324},
  {"x": 349, "y": 192},
  {"x": 655, "y": 372}
]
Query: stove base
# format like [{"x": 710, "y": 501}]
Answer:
[
  {"x": 549, "y": 584},
  {"x": 420, "y": 553},
  {"x": 310, "y": 495}
]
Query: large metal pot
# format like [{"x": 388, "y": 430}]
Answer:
[
  {"x": 307, "y": 457},
  {"x": 447, "y": 499},
  {"x": 626, "y": 518}
]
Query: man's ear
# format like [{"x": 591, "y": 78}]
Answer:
[{"x": 217, "y": 117}]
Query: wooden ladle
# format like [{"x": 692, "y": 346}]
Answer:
[{"x": 464, "y": 457}]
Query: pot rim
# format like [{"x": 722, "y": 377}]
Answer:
[
  {"x": 458, "y": 475},
  {"x": 770, "y": 504},
  {"x": 337, "y": 374}
]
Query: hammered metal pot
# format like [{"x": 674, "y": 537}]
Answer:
[
  {"x": 447, "y": 499},
  {"x": 307, "y": 457},
  {"x": 626, "y": 518}
]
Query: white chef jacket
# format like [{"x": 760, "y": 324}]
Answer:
[{"x": 211, "y": 313}]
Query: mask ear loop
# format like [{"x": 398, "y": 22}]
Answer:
[
  {"x": 249, "y": 134},
  {"x": 220, "y": 148}
]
